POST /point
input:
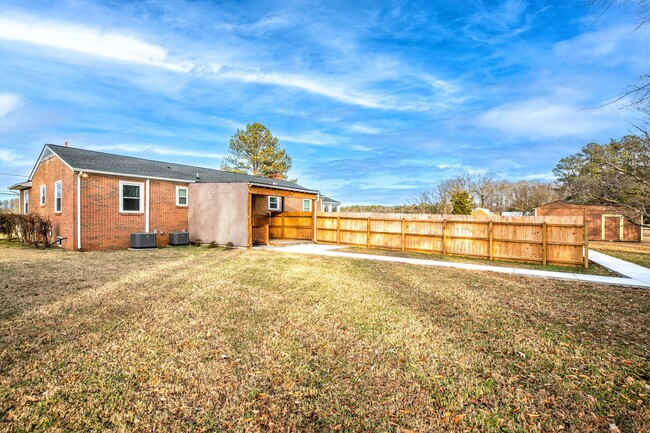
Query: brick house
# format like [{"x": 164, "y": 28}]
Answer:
[{"x": 95, "y": 200}]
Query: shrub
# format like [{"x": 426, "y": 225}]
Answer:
[{"x": 31, "y": 228}]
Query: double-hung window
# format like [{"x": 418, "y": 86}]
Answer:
[
  {"x": 57, "y": 196},
  {"x": 306, "y": 205},
  {"x": 131, "y": 197},
  {"x": 26, "y": 201},
  {"x": 181, "y": 196},
  {"x": 43, "y": 200},
  {"x": 275, "y": 203}
]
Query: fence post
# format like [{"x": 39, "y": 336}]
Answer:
[
  {"x": 282, "y": 225},
  {"x": 403, "y": 233},
  {"x": 491, "y": 241},
  {"x": 444, "y": 236},
  {"x": 338, "y": 230},
  {"x": 368, "y": 233},
  {"x": 544, "y": 241},
  {"x": 586, "y": 247}
]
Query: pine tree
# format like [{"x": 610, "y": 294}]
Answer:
[{"x": 256, "y": 151}]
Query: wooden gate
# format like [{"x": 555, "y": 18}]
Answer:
[{"x": 292, "y": 225}]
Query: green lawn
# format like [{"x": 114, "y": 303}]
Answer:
[
  {"x": 200, "y": 339},
  {"x": 593, "y": 269}
]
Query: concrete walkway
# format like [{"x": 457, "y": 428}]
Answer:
[
  {"x": 330, "y": 250},
  {"x": 622, "y": 267}
]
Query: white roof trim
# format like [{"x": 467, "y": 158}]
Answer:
[
  {"x": 264, "y": 185},
  {"x": 40, "y": 159}
]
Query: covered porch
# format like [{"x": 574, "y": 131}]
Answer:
[{"x": 279, "y": 214}]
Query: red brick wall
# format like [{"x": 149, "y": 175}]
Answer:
[
  {"x": 292, "y": 204},
  {"x": 63, "y": 223},
  {"x": 165, "y": 216},
  {"x": 104, "y": 226}
]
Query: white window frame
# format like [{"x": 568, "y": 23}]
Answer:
[
  {"x": 43, "y": 195},
  {"x": 178, "y": 197},
  {"x": 141, "y": 198},
  {"x": 278, "y": 206},
  {"x": 307, "y": 202},
  {"x": 60, "y": 197},
  {"x": 26, "y": 201}
]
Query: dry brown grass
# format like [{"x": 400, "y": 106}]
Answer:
[
  {"x": 635, "y": 252},
  {"x": 198, "y": 339}
]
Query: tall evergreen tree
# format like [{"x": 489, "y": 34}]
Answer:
[{"x": 256, "y": 151}]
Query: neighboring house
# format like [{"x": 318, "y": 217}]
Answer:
[
  {"x": 482, "y": 212},
  {"x": 328, "y": 204},
  {"x": 95, "y": 200},
  {"x": 512, "y": 214},
  {"x": 609, "y": 223}
]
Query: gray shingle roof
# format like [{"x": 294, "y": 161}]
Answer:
[
  {"x": 330, "y": 200},
  {"x": 89, "y": 160}
]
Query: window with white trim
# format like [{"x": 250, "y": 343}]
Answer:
[
  {"x": 26, "y": 201},
  {"x": 181, "y": 196},
  {"x": 275, "y": 203},
  {"x": 57, "y": 196},
  {"x": 306, "y": 205},
  {"x": 43, "y": 201},
  {"x": 131, "y": 197}
]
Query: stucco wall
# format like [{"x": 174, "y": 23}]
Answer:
[{"x": 219, "y": 212}]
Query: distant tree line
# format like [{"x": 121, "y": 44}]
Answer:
[
  {"x": 9, "y": 205},
  {"x": 616, "y": 173},
  {"x": 460, "y": 194}
]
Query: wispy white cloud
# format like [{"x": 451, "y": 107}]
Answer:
[
  {"x": 9, "y": 102},
  {"x": 541, "y": 118},
  {"x": 328, "y": 87},
  {"x": 84, "y": 39},
  {"x": 366, "y": 129},
  {"x": 12, "y": 158},
  {"x": 367, "y": 90},
  {"x": 509, "y": 19},
  {"x": 154, "y": 149},
  {"x": 615, "y": 44},
  {"x": 314, "y": 137}
]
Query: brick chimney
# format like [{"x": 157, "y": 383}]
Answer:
[{"x": 276, "y": 175}]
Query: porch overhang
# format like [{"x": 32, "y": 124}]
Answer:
[
  {"x": 21, "y": 186},
  {"x": 261, "y": 189}
]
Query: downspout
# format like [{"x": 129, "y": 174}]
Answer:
[
  {"x": 79, "y": 209},
  {"x": 146, "y": 211}
]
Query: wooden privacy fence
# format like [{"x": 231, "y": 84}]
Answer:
[
  {"x": 292, "y": 225},
  {"x": 546, "y": 240}
]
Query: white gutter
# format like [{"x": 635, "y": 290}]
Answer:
[
  {"x": 146, "y": 211},
  {"x": 79, "y": 210},
  {"x": 112, "y": 173}
]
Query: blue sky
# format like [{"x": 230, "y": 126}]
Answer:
[{"x": 374, "y": 101}]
